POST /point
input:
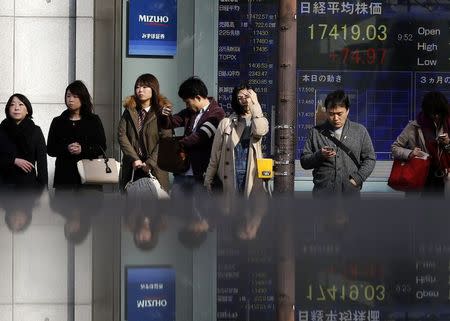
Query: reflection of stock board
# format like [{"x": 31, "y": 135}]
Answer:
[
  {"x": 374, "y": 265},
  {"x": 245, "y": 277},
  {"x": 384, "y": 55}
]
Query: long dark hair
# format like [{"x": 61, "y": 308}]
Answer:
[
  {"x": 79, "y": 89},
  {"x": 151, "y": 81},
  {"x": 25, "y": 101},
  {"x": 435, "y": 103},
  {"x": 235, "y": 104}
]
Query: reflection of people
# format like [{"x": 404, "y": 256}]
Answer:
[
  {"x": 77, "y": 210},
  {"x": 18, "y": 218},
  {"x": 18, "y": 209},
  {"x": 29, "y": 169},
  {"x": 145, "y": 227},
  {"x": 200, "y": 119},
  {"x": 249, "y": 224},
  {"x": 428, "y": 134},
  {"x": 195, "y": 232},
  {"x": 237, "y": 145},
  {"x": 334, "y": 171},
  {"x": 76, "y": 134},
  {"x": 139, "y": 131},
  {"x": 77, "y": 226}
]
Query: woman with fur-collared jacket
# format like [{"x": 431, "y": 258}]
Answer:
[
  {"x": 139, "y": 132},
  {"x": 237, "y": 145}
]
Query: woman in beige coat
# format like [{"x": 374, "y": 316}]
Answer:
[
  {"x": 237, "y": 145},
  {"x": 139, "y": 132}
]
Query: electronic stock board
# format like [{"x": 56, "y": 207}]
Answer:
[{"x": 384, "y": 54}]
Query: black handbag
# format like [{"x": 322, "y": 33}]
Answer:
[{"x": 171, "y": 155}]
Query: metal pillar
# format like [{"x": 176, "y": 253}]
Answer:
[
  {"x": 285, "y": 143},
  {"x": 286, "y": 112}
]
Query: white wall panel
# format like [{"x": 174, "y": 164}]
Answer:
[
  {"x": 40, "y": 266},
  {"x": 85, "y": 51},
  {"x": 43, "y": 114},
  {"x": 6, "y": 61},
  {"x": 42, "y": 58},
  {"x": 85, "y": 8},
  {"x": 83, "y": 272},
  {"x": 6, "y": 7},
  {"x": 83, "y": 313},
  {"x": 47, "y": 8},
  {"x": 6, "y": 264},
  {"x": 6, "y": 312},
  {"x": 44, "y": 312}
]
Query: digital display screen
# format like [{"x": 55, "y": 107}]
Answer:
[
  {"x": 386, "y": 55},
  {"x": 248, "y": 53},
  {"x": 152, "y": 28}
]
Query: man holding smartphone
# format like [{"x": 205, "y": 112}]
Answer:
[{"x": 339, "y": 151}]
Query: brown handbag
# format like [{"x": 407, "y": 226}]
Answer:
[{"x": 171, "y": 155}]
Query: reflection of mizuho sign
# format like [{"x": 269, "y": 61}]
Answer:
[
  {"x": 153, "y": 19},
  {"x": 151, "y": 303}
]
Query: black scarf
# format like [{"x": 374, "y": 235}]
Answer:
[{"x": 21, "y": 135}]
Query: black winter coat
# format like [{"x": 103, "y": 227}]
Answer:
[
  {"x": 29, "y": 144},
  {"x": 7, "y": 155},
  {"x": 88, "y": 132}
]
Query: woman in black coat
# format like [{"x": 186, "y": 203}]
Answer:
[
  {"x": 7, "y": 156},
  {"x": 74, "y": 135},
  {"x": 29, "y": 166}
]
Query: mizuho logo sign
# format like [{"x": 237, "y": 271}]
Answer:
[
  {"x": 151, "y": 303},
  {"x": 153, "y": 19}
]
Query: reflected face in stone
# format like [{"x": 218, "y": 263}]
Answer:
[
  {"x": 73, "y": 226},
  {"x": 144, "y": 235},
  {"x": 17, "y": 220},
  {"x": 198, "y": 226}
]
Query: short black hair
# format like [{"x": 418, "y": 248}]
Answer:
[
  {"x": 337, "y": 98},
  {"x": 25, "y": 101},
  {"x": 435, "y": 103},
  {"x": 193, "y": 87},
  {"x": 235, "y": 104}
]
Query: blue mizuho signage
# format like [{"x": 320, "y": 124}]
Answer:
[
  {"x": 152, "y": 28},
  {"x": 150, "y": 293}
]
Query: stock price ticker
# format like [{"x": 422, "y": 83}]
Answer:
[
  {"x": 248, "y": 52},
  {"x": 377, "y": 36},
  {"x": 385, "y": 55}
]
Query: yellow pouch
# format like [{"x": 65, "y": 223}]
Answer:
[{"x": 265, "y": 167}]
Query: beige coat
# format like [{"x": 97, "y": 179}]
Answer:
[{"x": 222, "y": 159}]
